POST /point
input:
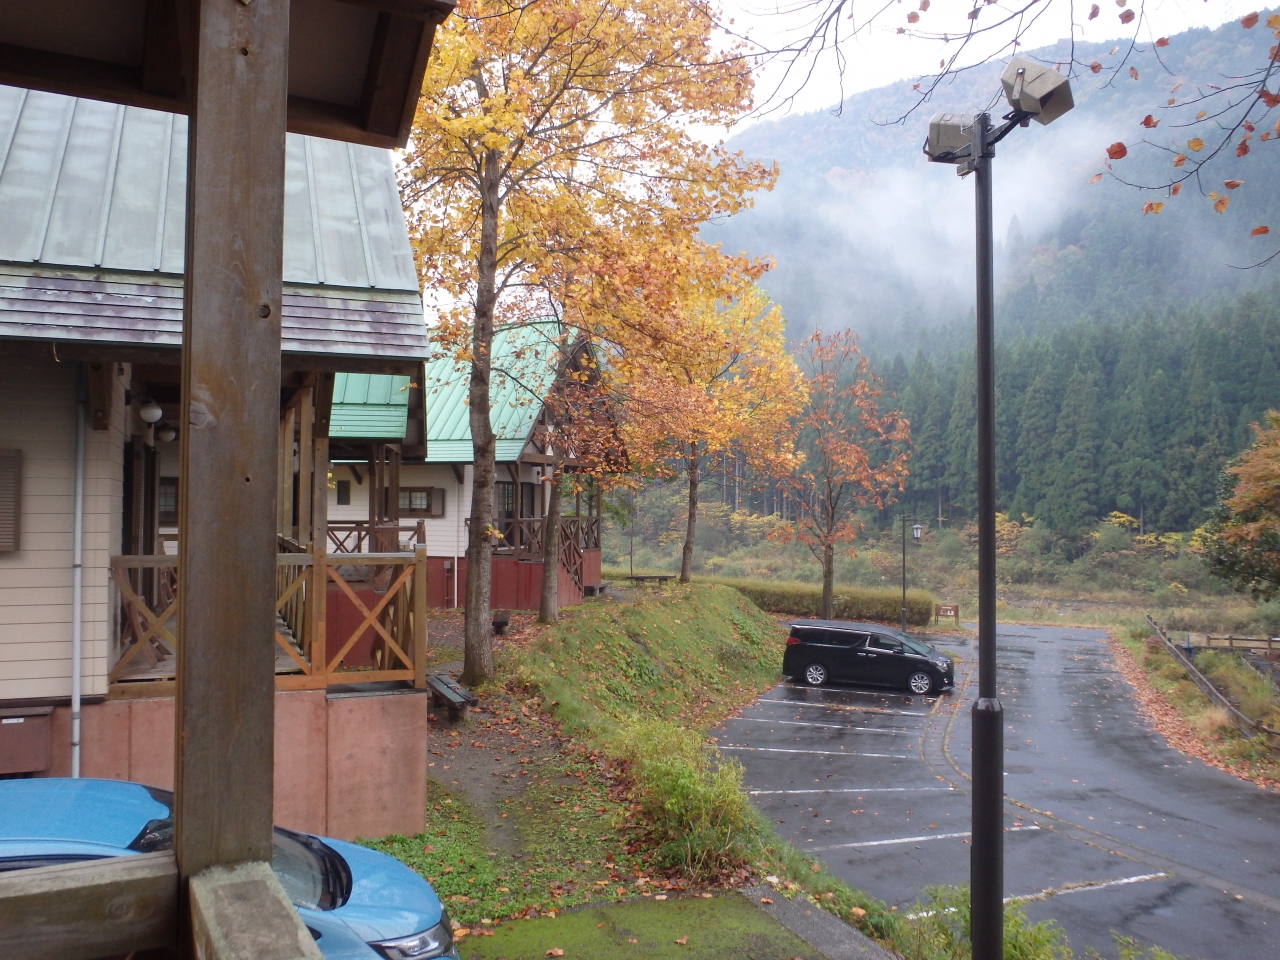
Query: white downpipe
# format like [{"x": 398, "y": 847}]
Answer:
[
  {"x": 457, "y": 540},
  {"x": 77, "y": 585}
]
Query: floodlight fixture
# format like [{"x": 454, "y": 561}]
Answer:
[{"x": 1037, "y": 90}]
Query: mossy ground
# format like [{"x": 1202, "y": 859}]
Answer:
[{"x": 725, "y": 927}]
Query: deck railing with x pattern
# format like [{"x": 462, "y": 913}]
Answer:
[{"x": 308, "y": 654}]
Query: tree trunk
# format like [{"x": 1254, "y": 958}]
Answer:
[
  {"x": 828, "y": 581},
  {"x": 686, "y": 556},
  {"x": 478, "y": 629},
  {"x": 549, "y": 603}
]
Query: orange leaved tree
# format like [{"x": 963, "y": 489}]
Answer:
[
  {"x": 851, "y": 454},
  {"x": 1242, "y": 542},
  {"x": 547, "y": 134},
  {"x": 728, "y": 385}
]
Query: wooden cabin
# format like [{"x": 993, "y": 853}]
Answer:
[
  {"x": 388, "y": 487},
  {"x": 91, "y": 292}
]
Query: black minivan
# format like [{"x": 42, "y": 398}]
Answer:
[{"x": 821, "y": 651}]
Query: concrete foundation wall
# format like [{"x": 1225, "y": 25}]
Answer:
[{"x": 346, "y": 766}]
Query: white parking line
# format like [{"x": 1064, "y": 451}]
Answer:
[
  {"x": 755, "y": 793},
  {"x": 842, "y": 706},
  {"x": 825, "y": 753},
  {"x": 931, "y": 836},
  {"x": 831, "y": 726},
  {"x": 1085, "y": 885}
]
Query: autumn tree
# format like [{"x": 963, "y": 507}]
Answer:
[
  {"x": 1242, "y": 541},
  {"x": 552, "y": 140},
  {"x": 729, "y": 385},
  {"x": 852, "y": 455}
]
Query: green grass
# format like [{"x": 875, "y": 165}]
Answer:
[
  {"x": 726, "y": 927},
  {"x": 573, "y": 849}
]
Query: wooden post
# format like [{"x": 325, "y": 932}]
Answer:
[
  {"x": 306, "y": 422},
  {"x": 420, "y": 616},
  {"x": 284, "y": 509},
  {"x": 231, "y": 408},
  {"x": 319, "y": 554}
]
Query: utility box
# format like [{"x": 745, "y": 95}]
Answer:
[{"x": 24, "y": 739}]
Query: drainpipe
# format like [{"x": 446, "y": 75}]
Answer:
[
  {"x": 77, "y": 581},
  {"x": 457, "y": 539}
]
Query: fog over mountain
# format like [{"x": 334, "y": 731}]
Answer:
[{"x": 866, "y": 233}]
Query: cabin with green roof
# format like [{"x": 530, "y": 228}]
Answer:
[{"x": 421, "y": 492}]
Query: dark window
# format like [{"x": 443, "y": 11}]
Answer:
[
  {"x": 808, "y": 634},
  {"x": 167, "y": 502},
  {"x": 885, "y": 643},
  {"x": 843, "y": 638},
  {"x": 528, "y": 500},
  {"x": 10, "y": 499},
  {"x": 415, "y": 501},
  {"x": 504, "y": 499},
  {"x": 344, "y": 493}
]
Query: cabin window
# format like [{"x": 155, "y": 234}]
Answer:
[
  {"x": 528, "y": 500},
  {"x": 344, "y": 493},
  {"x": 421, "y": 502},
  {"x": 504, "y": 499},
  {"x": 10, "y": 499},
  {"x": 167, "y": 502}
]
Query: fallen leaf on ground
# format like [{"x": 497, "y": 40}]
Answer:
[
  {"x": 682, "y": 941},
  {"x": 555, "y": 952},
  {"x": 765, "y": 900}
]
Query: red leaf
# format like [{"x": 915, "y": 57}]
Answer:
[
  {"x": 1096, "y": 67},
  {"x": 1095, "y": 178},
  {"x": 924, "y": 4},
  {"x": 1259, "y": 231},
  {"x": 1127, "y": 16},
  {"x": 1248, "y": 126},
  {"x": 1162, "y": 42},
  {"x": 913, "y": 17},
  {"x": 1150, "y": 122},
  {"x": 1232, "y": 184},
  {"x": 1220, "y": 205},
  {"x": 1133, "y": 73},
  {"x": 1094, "y": 11},
  {"x": 1249, "y": 20},
  {"x": 1152, "y": 206},
  {"x": 1269, "y": 98},
  {"x": 1117, "y": 151},
  {"x": 1242, "y": 147},
  {"x": 1176, "y": 189}
]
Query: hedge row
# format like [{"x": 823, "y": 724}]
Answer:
[{"x": 882, "y": 604}]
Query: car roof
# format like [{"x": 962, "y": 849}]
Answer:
[
  {"x": 841, "y": 625},
  {"x": 110, "y": 812}
]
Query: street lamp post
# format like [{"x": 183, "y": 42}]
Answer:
[
  {"x": 1040, "y": 93},
  {"x": 916, "y": 530}
]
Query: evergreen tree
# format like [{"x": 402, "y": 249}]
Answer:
[
  {"x": 1070, "y": 506},
  {"x": 1035, "y": 441}
]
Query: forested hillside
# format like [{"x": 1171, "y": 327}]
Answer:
[
  {"x": 1137, "y": 415},
  {"x": 866, "y": 233}
]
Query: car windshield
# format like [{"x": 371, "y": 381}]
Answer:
[{"x": 915, "y": 646}]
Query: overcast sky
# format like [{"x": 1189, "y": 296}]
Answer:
[{"x": 881, "y": 56}]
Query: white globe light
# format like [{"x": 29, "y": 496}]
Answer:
[
  {"x": 150, "y": 412},
  {"x": 166, "y": 433}
]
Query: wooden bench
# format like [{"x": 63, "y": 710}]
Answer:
[
  {"x": 597, "y": 589},
  {"x": 658, "y": 578},
  {"x": 448, "y": 693},
  {"x": 949, "y": 611}
]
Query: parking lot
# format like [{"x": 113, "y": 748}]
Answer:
[{"x": 1108, "y": 829}]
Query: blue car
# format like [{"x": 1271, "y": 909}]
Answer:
[{"x": 357, "y": 903}]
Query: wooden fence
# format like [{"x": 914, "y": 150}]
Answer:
[{"x": 307, "y": 655}]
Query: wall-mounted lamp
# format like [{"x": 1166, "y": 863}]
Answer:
[
  {"x": 150, "y": 412},
  {"x": 166, "y": 433}
]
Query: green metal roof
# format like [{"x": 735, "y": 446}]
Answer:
[
  {"x": 526, "y": 360},
  {"x": 369, "y": 406}
]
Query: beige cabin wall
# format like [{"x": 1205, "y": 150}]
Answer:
[
  {"x": 37, "y": 416},
  {"x": 447, "y": 535}
]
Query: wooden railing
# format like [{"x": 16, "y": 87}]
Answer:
[
  {"x": 356, "y": 536},
  {"x": 309, "y": 654}
]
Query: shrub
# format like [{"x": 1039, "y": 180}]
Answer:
[
  {"x": 856, "y": 603},
  {"x": 941, "y": 930},
  {"x": 692, "y": 801}
]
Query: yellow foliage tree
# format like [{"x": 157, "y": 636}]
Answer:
[
  {"x": 551, "y": 170},
  {"x": 728, "y": 387}
]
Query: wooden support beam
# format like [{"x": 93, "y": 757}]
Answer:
[
  {"x": 306, "y": 451},
  {"x": 284, "y": 473},
  {"x": 241, "y": 912},
  {"x": 420, "y": 616},
  {"x": 231, "y": 402},
  {"x": 101, "y": 394},
  {"x": 80, "y": 911},
  {"x": 319, "y": 587}
]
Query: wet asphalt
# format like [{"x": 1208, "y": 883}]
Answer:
[{"x": 1109, "y": 831}]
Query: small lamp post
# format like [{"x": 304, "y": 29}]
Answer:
[
  {"x": 1040, "y": 93},
  {"x": 916, "y": 530}
]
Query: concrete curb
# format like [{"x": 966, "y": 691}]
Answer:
[{"x": 823, "y": 931}]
